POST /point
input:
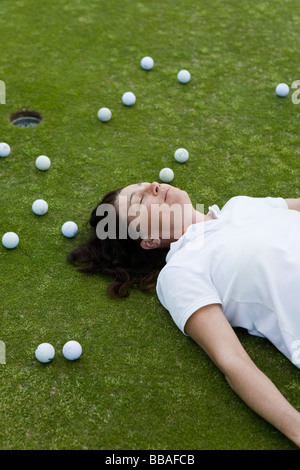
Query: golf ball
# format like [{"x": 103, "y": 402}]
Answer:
[
  {"x": 166, "y": 175},
  {"x": 43, "y": 163},
  {"x": 104, "y": 114},
  {"x": 40, "y": 207},
  {"x": 45, "y": 352},
  {"x": 10, "y": 240},
  {"x": 181, "y": 155},
  {"x": 4, "y": 149},
  {"x": 72, "y": 350},
  {"x": 69, "y": 229},
  {"x": 128, "y": 98},
  {"x": 147, "y": 63},
  {"x": 184, "y": 76},
  {"x": 282, "y": 90}
]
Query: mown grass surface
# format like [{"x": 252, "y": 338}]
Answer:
[{"x": 140, "y": 384}]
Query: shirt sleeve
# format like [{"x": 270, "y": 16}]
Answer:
[{"x": 182, "y": 293}]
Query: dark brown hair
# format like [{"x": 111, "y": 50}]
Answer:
[{"x": 123, "y": 259}]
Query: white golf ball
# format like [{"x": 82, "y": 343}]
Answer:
[
  {"x": 282, "y": 90},
  {"x": 181, "y": 155},
  {"x": 147, "y": 63},
  {"x": 69, "y": 229},
  {"x": 43, "y": 163},
  {"x": 45, "y": 352},
  {"x": 4, "y": 149},
  {"x": 72, "y": 350},
  {"x": 166, "y": 175},
  {"x": 184, "y": 76},
  {"x": 40, "y": 207},
  {"x": 128, "y": 98},
  {"x": 104, "y": 114},
  {"x": 10, "y": 240}
]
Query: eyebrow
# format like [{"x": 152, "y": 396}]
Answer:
[{"x": 139, "y": 184}]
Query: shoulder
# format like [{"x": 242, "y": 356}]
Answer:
[{"x": 246, "y": 203}]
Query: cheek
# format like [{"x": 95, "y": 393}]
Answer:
[
  {"x": 153, "y": 217},
  {"x": 162, "y": 221},
  {"x": 139, "y": 220}
]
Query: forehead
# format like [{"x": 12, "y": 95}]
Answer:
[
  {"x": 127, "y": 193},
  {"x": 129, "y": 189}
]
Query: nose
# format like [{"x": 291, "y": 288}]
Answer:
[{"x": 155, "y": 187}]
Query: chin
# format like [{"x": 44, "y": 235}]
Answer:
[{"x": 179, "y": 196}]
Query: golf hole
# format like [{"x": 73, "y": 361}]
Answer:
[{"x": 25, "y": 118}]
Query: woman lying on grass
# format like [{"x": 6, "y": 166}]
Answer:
[{"x": 235, "y": 267}]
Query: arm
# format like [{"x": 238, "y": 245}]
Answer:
[
  {"x": 293, "y": 204},
  {"x": 209, "y": 327}
]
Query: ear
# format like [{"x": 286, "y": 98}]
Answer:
[{"x": 150, "y": 244}]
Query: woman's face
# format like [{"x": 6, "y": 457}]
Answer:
[{"x": 157, "y": 210}]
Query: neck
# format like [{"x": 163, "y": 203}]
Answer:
[
  {"x": 196, "y": 217},
  {"x": 199, "y": 217}
]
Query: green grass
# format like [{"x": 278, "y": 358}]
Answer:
[{"x": 140, "y": 384}]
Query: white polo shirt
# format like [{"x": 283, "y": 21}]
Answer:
[{"x": 248, "y": 260}]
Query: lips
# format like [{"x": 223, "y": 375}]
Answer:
[{"x": 167, "y": 193}]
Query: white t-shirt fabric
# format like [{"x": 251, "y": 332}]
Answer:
[{"x": 247, "y": 259}]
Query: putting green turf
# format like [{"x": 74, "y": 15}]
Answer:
[{"x": 140, "y": 384}]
